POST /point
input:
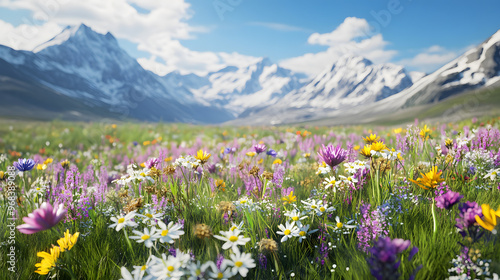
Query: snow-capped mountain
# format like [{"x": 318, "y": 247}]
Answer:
[
  {"x": 92, "y": 67},
  {"x": 351, "y": 81},
  {"x": 261, "y": 83}
]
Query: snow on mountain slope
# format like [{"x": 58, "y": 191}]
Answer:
[
  {"x": 351, "y": 81},
  {"x": 261, "y": 83},
  {"x": 476, "y": 68}
]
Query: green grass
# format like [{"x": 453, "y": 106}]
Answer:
[{"x": 101, "y": 251}]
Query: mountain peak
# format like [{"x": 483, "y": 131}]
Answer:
[{"x": 80, "y": 32}]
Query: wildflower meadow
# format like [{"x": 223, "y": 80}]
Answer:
[{"x": 177, "y": 201}]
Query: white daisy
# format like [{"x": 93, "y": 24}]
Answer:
[
  {"x": 232, "y": 238},
  {"x": 331, "y": 182},
  {"x": 295, "y": 215},
  {"x": 147, "y": 237},
  {"x": 235, "y": 226},
  {"x": 123, "y": 221},
  {"x": 492, "y": 174},
  {"x": 170, "y": 232},
  {"x": 304, "y": 232},
  {"x": 150, "y": 216},
  {"x": 197, "y": 270},
  {"x": 312, "y": 204},
  {"x": 288, "y": 231},
  {"x": 241, "y": 263},
  {"x": 223, "y": 273},
  {"x": 341, "y": 226},
  {"x": 166, "y": 268},
  {"x": 323, "y": 208}
]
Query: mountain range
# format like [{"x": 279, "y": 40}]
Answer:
[{"x": 83, "y": 75}]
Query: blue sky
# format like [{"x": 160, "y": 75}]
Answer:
[{"x": 204, "y": 35}]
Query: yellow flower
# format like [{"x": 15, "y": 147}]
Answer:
[
  {"x": 356, "y": 148},
  {"x": 2, "y": 175},
  {"x": 289, "y": 198},
  {"x": 430, "y": 179},
  {"x": 65, "y": 163},
  {"x": 378, "y": 146},
  {"x": 145, "y": 143},
  {"x": 489, "y": 220},
  {"x": 41, "y": 166},
  {"x": 260, "y": 161},
  {"x": 143, "y": 164},
  {"x": 366, "y": 151},
  {"x": 168, "y": 159},
  {"x": 47, "y": 161},
  {"x": 220, "y": 185},
  {"x": 397, "y": 130},
  {"x": 425, "y": 132},
  {"x": 48, "y": 262},
  {"x": 277, "y": 161},
  {"x": 113, "y": 126},
  {"x": 372, "y": 138},
  {"x": 68, "y": 241},
  {"x": 251, "y": 154},
  {"x": 202, "y": 156},
  {"x": 307, "y": 155},
  {"x": 448, "y": 143}
]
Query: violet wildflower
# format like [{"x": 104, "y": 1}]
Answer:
[
  {"x": 152, "y": 162},
  {"x": 272, "y": 153},
  {"x": 384, "y": 257},
  {"x": 259, "y": 148},
  {"x": 447, "y": 200},
  {"x": 331, "y": 155},
  {"x": 466, "y": 219},
  {"x": 43, "y": 218},
  {"x": 24, "y": 164}
]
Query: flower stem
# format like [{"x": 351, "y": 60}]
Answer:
[
  {"x": 128, "y": 242},
  {"x": 433, "y": 209}
]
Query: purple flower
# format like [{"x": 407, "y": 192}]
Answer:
[
  {"x": 331, "y": 155},
  {"x": 152, "y": 162},
  {"x": 24, "y": 164},
  {"x": 43, "y": 218},
  {"x": 259, "y": 148},
  {"x": 447, "y": 200},
  {"x": 229, "y": 150},
  {"x": 468, "y": 212},
  {"x": 272, "y": 153},
  {"x": 384, "y": 261}
]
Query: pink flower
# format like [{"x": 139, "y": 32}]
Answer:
[{"x": 43, "y": 218}]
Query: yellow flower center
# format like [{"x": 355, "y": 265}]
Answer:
[
  {"x": 149, "y": 215},
  {"x": 287, "y": 231},
  {"x": 143, "y": 175},
  {"x": 238, "y": 264},
  {"x": 164, "y": 232},
  {"x": 243, "y": 201},
  {"x": 332, "y": 182},
  {"x": 314, "y": 206},
  {"x": 322, "y": 209},
  {"x": 198, "y": 272},
  {"x": 143, "y": 268},
  {"x": 220, "y": 275},
  {"x": 494, "y": 173},
  {"x": 233, "y": 228},
  {"x": 295, "y": 218},
  {"x": 233, "y": 238},
  {"x": 302, "y": 233},
  {"x": 170, "y": 268},
  {"x": 145, "y": 237},
  {"x": 121, "y": 220},
  {"x": 340, "y": 225}
]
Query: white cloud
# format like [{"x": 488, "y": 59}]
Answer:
[
  {"x": 279, "y": 26},
  {"x": 430, "y": 59},
  {"x": 353, "y": 36},
  {"x": 25, "y": 36},
  {"x": 157, "y": 31}
]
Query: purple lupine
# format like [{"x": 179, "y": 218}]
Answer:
[
  {"x": 43, "y": 218},
  {"x": 259, "y": 148},
  {"x": 373, "y": 225},
  {"x": 447, "y": 200},
  {"x": 384, "y": 259},
  {"x": 152, "y": 162},
  {"x": 24, "y": 164},
  {"x": 331, "y": 155}
]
